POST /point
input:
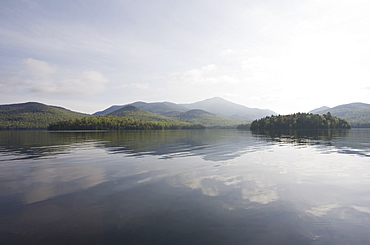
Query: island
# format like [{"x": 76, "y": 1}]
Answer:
[
  {"x": 118, "y": 123},
  {"x": 299, "y": 121}
]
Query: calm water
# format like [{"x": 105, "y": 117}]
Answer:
[{"x": 185, "y": 187}]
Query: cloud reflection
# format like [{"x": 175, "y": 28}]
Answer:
[
  {"x": 244, "y": 189},
  {"x": 323, "y": 210}
]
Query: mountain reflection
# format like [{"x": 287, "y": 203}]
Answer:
[
  {"x": 213, "y": 145},
  {"x": 20, "y": 144},
  {"x": 116, "y": 187}
]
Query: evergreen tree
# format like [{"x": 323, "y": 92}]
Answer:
[{"x": 299, "y": 121}]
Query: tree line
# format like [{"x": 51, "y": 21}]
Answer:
[
  {"x": 299, "y": 121},
  {"x": 38, "y": 120},
  {"x": 118, "y": 123}
]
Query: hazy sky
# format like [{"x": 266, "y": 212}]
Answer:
[{"x": 85, "y": 55}]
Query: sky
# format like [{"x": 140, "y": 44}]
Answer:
[{"x": 86, "y": 55}]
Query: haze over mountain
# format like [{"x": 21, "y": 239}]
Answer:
[
  {"x": 222, "y": 107},
  {"x": 357, "y": 114},
  {"x": 217, "y": 106},
  {"x": 195, "y": 116},
  {"x": 318, "y": 110}
]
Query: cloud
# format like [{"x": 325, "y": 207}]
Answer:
[
  {"x": 206, "y": 76},
  {"x": 40, "y": 77},
  {"x": 201, "y": 82},
  {"x": 203, "y": 75},
  {"x": 258, "y": 53},
  {"x": 227, "y": 52},
  {"x": 136, "y": 85},
  {"x": 39, "y": 68}
]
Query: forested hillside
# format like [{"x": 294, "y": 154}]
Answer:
[
  {"x": 32, "y": 115},
  {"x": 357, "y": 114},
  {"x": 117, "y": 123},
  {"x": 205, "y": 118},
  {"x": 160, "y": 108},
  {"x": 133, "y": 112},
  {"x": 299, "y": 121},
  {"x": 193, "y": 116}
]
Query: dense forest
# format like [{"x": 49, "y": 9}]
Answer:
[
  {"x": 299, "y": 121},
  {"x": 118, "y": 123},
  {"x": 133, "y": 112},
  {"x": 33, "y": 115}
]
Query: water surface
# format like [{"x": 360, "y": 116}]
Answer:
[{"x": 185, "y": 187}]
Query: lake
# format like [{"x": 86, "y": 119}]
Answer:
[{"x": 209, "y": 186}]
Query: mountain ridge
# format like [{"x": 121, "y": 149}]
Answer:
[
  {"x": 34, "y": 115},
  {"x": 198, "y": 116},
  {"x": 195, "y": 116},
  {"x": 357, "y": 113},
  {"x": 222, "y": 107},
  {"x": 322, "y": 108},
  {"x": 134, "y": 112},
  {"x": 216, "y": 105}
]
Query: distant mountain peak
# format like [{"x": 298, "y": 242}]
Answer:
[
  {"x": 317, "y": 110},
  {"x": 215, "y": 99},
  {"x": 225, "y": 108}
]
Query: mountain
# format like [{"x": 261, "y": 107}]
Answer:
[
  {"x": 160, "y": 108},
  {"x": 191, "y": 116},
  {"x": 229, "y": 109},
  {"x": 33, "y": 115},
  {"x": 108, "y": 110},
  {"x": 357, "y": 114},
  {"x": 217, "y": 106},
  {"x": 205, "y": 118},
  {"x": 315, "y": 111},
  {"x": 133, "y": 112}
]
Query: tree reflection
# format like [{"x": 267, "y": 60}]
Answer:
[
  {"x": 302, "y": 137},
  {"x": 212, "y": 144}
]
